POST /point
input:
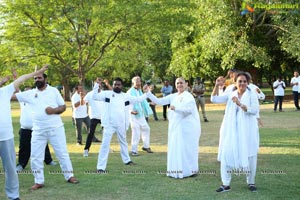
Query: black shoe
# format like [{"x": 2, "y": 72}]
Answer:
[
  {"x": 96, "y": 140},
  {"x": 130, "y": 163},
  {"x": 79, "y": 143},
  {"x": 134, "y": 153},
  {"x": 205, "y": 120},
  {"x": 101, "y": 171},
  {"x": 223, "y": 189},
  {"x": 252, "y": 187},
  {"x": 148, "y": 150}
]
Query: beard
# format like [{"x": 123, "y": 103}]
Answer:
[
  {"x": 117, "y": 90},
  {"x": 39, "y": 84}
]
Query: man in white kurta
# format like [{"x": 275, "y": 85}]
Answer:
[
  {"x": 138, "y": 113},
  {"x": 47, "y": 125},
  {"x": 183, "y": 132},
  {"x": 115, "y": 119}
]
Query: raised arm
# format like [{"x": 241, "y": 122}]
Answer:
[{"x": 25, "y": 77}]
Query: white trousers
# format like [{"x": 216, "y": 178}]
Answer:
[
  {"x": 8, "y": 156},
  {"x": 105, "y": 147},
  {"x": 57, "y": 139},
  {"x": 250, "y": 175},
  {"x": 139, "y": 126}
]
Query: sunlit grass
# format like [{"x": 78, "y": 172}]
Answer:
[{"x": 277, "y": 173}]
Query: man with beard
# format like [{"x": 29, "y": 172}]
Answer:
[
  {"x": 47, "y": 125},
  {"x": 115, "y": 119}
]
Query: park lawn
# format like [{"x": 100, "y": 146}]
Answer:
[{"x": 277, "y": 172}]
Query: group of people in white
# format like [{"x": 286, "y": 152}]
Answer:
[{"x": 116, "y": 110}]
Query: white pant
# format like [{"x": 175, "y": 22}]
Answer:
[
  {"x": 250, "y": 175},
  {"x": 104, "y": 149},
  {"x": 8, "y": 156},
  {"x": 57, "y": 139},
  {"x": 138, "y": 126}
]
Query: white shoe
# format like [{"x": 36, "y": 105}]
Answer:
[
  {"x": 86, "y": 153},
  {"x": 19, "y": 168},
  {"x": 52, "y": 163}
]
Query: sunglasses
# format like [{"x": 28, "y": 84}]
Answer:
[
  {"x": 242, "y": 81},
  {"x": 36, "y": 78}
]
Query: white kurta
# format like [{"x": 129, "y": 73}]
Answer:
[
  {"x": 239, "y": 137},
  {"x": 183, "y": 134}
]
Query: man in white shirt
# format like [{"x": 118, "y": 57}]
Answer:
[
  {"x": 138, "y": 114},
  {"x": 80, "y": 113},
  {"x": 279, "y": 87},
  {"x": 25, "y": 133},
  {"x": 7, "y": 146},
  {"x": 115, "y": 119},
  {"x": 47, "y": 125},
  {"x": 295, "y": 82}
]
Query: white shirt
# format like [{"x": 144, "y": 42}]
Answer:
[
  {"x": 40, "y": 100},
  {"x": 279, "y": 91},
  {"x": 95, "y": 107},
  {"x": 296, "y": 88},
  {"x": 81, "y": 110},
  {"x": 26, "y": 120},
  {"x": 6, "y": 128}
]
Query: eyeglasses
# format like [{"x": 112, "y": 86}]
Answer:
[
  {"x": 242, "y": 81},
  {"x": 36, "y": 78}
]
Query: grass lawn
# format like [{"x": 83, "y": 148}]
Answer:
[{"x": 277, "y": 172}]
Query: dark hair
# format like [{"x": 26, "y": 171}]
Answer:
[
  {"x": 119, "y": 79},
  {"x": 45, "y": 75},
  {"x": 242, "y": 74}
]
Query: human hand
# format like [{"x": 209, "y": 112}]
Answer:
[
  {"x": 172, "y": 107},
  {"x": 50, "y": 111},
  {"x": 134, "y": 112}
]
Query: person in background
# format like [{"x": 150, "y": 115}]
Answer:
[
  {"x": 138, "y": 114},
  {"x": 198, "y": 91},
  {"x": 295, "y": 83},
  {"x": 152, "y": 105},
  {"x": 279, "y": 87},
  {"x": 166, "y": 90},
  {"x": 25, "y": 133}
]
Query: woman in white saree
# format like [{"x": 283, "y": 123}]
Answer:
[{"x": 183, "y": 133}]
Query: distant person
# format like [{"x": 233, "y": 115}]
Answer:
[
  {"x": 166, "y": 90},
  {"x": 48, "y": 104},
  {"x": 295, "y": 83},
  {"x": 115, "y": 119},
  {"x": 7, "y": 146},
  {"x": 138, "y": 114},
  {"x": 198, "y": 91},
  {"x": 25, "y": 133},
  {"x": 279, "y": 87},
  {"x": 221, "y": 85},
  {"x": 183, "y": 132},
  {"x": 80, "y": 113},
  {"x": 152, "y": 105}
]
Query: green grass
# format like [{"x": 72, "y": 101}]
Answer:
[{"x": 277, "y": 173}]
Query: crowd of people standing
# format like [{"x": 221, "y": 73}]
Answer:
[{"x": 115, "y": 110}]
